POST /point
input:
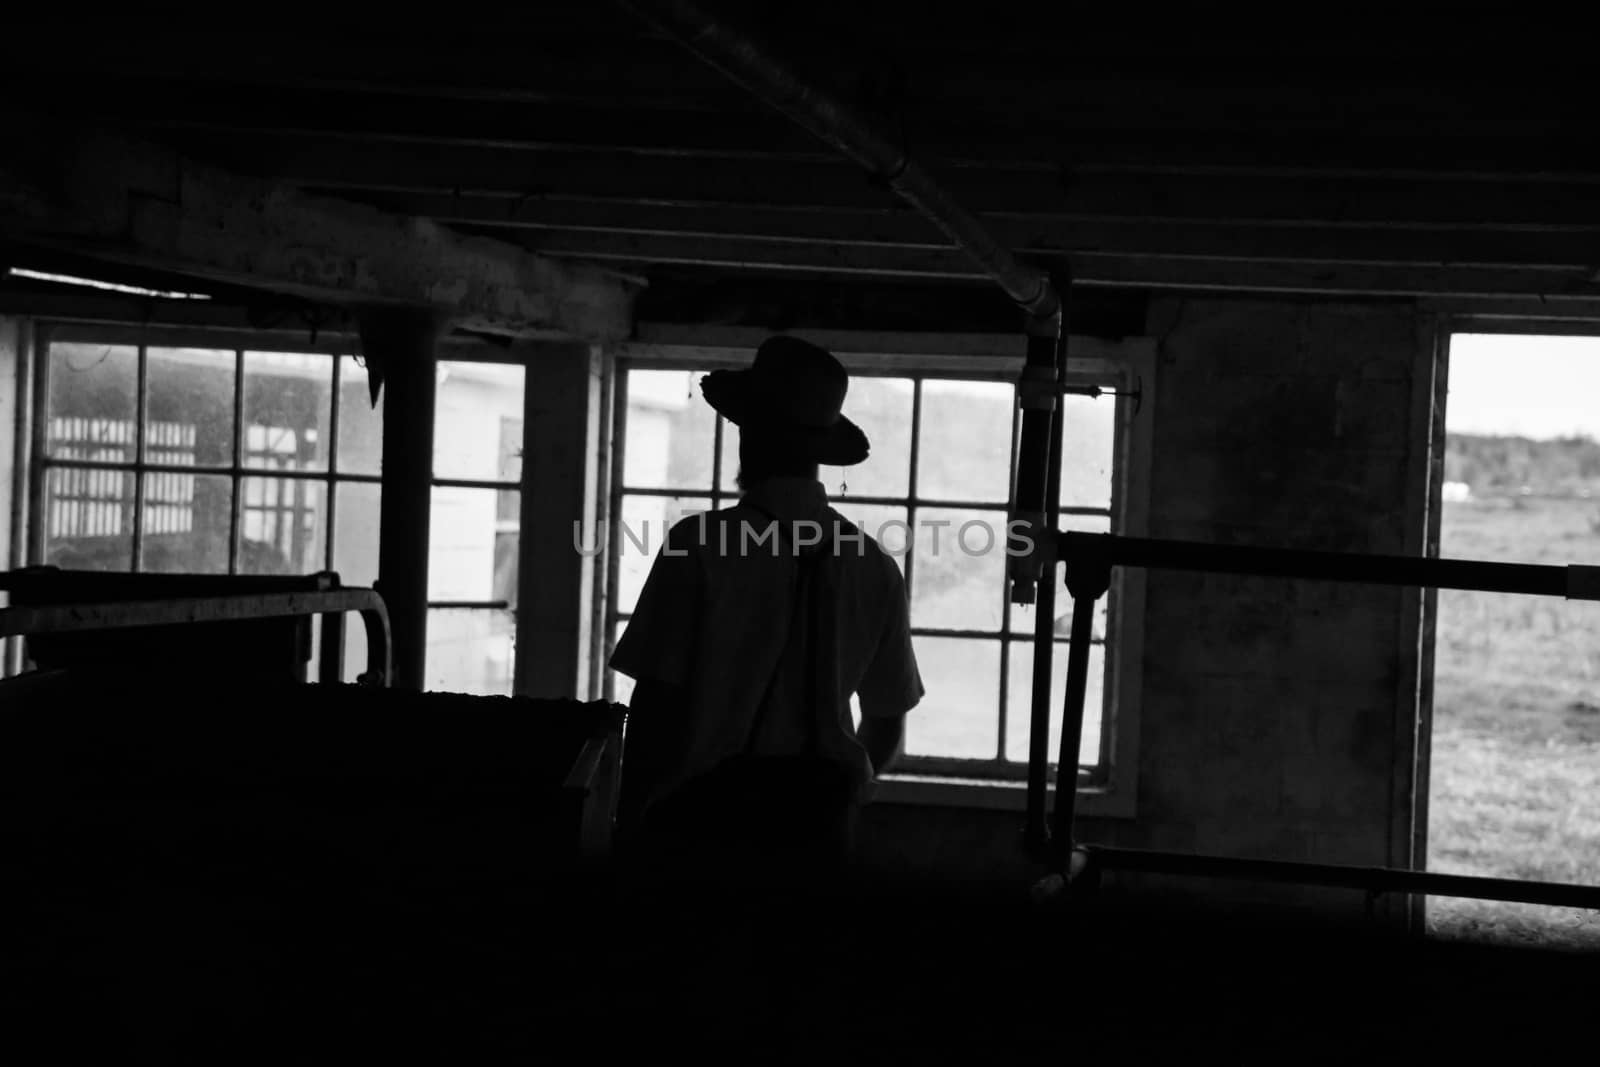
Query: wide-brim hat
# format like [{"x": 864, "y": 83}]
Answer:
[{"x": 795, "y": 390}]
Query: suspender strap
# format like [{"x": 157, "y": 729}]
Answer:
[{"x": 806, "y": 626}]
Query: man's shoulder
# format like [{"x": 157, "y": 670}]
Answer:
[{"x": 854, "y": 540}]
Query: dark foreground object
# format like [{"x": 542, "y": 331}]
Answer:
[{"x": 236, "y": 877}]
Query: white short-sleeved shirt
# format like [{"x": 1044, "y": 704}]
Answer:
[{"x": 714, "y": 619}]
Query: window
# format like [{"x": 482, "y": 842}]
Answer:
[
  {"x": 936, "y": 494},
  {"x": 474, "y": 529},
  {"x": 203, "y": 458}
]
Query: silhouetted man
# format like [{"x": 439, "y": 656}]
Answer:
[{"x": 756, "y": 625}]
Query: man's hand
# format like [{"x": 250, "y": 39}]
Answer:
[{"x": 884, "y": 739}]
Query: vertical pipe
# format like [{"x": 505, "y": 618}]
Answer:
[
  {"x": 1040, "y": 409},
  {"x": 1072, "y": 728},
  {"x": 400, "y": 343}
]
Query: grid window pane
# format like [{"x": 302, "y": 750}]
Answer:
[
  {"x": 282, "y": 525},
  {"x": 355, "y": 534},
  {"x": 287, "y": 408},
  {"x": 882, "y": 408},
  {"x": 470, "y": 650},
  {"x": 1088, "y": 441},
  {"x": 671, "y": 430},
  {"x": 187, "y": 522},
  {"x": 88, "y": 519},
  {"x": 644, "y": 525},
  {"x": 957, "y": 717},
  {"x": 478, "y": 422},
  {"x": 92, "y": 402},
  {"x": 189, "y": 412},
  {"x": 360, "y": 424},
  {"x": 1019, "y": 702},
  {"x": 1022, "y": 616},
  {"x": 464, "y": 562},
  {"x": 965, "y": 447},
  {"x": 958, "y": 575}
]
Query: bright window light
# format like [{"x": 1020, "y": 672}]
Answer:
[{"x": 67, "y": 279}]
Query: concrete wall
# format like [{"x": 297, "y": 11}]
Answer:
[{"x": 1275, "y": 718}]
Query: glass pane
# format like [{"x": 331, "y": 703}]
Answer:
[
  {"x": 283, "y": 526},
  {"x": 1088, "y": 440},
  {"x": 477, "y": 428},
  {"x": 960, "y": 716},
  {"x": 621, "y": 684},
  {"x": 645, "y": 522},
  {"x": 93, "y": 402},
  {"x": 965, "y": 451},
  {"x": 470, "y": 650},
  {"x": 360, "y": 424},
  {"x": 355, "y": 647},
  {"x": 884, "y": 524},
  {"x": 670, "y": 432},
  {"x": 354, "y": 661},
  {"x": 187, "y": 523},
  {"x": 355, "y": 532},
  {"x": 467, "y": 546},
  {"x": 88, "y": 519},
  {"x": 1022, "y": 617},
  {"x": 287, "y": 406},
  {"x": 958, "y": 573},
  {"x": 189, "y": 413},
  {"x": 882, "y": 408},
  {"x": 1019, "y": 702}
]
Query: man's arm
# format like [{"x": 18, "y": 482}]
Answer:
[
  {"x": 883, "y": 736},
  {"x": 892, "y": 685},
  {"x": 655, "y": 724}
]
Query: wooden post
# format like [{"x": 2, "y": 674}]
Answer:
[
  {"x": 559, "y": 472},
  {"x": 398, "y": 344}
]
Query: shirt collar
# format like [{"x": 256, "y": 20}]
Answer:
[{"x": 789, "y": 498}]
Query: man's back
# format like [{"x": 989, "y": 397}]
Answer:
[{"x": 718, "y": 620}]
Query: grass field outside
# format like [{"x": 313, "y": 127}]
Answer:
[{"x": 1516, "y": 740}]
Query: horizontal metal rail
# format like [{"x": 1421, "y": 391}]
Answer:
[
  {"x": 1573, "y": 582},
  {"x": 1342, "y": 876},
  {"x": 188, "y": 611},
  {"x": 1089, "y": 560}
]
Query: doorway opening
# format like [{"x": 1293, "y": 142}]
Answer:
[{"x": 1515, "y": 764}]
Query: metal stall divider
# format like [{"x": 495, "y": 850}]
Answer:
[
  {"x": 1089, "y": 559},
  {"x": 329, "y": 599}
]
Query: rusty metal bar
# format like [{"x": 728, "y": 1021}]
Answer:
[
  {"x": 1340, "y": 876},
  {"x": 1572, "y": 582},
  {"x": 1089, "y": 558},
  {"x": 182, "y": 611}
]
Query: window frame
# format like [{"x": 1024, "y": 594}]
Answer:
[
  {"x": 143, "y": 338},
  {"x": 1129, "y": 362},
  {"x": 484, "y": 354}
]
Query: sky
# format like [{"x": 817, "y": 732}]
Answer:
[{"x": 1525, "y": 386}]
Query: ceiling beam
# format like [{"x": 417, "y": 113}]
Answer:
[
  {"x": 1088, "y": 268},
  {"x": 313, "y": 160},
  {"x": 1062, "y": 234},
  {"x": 129, "y": 202}
]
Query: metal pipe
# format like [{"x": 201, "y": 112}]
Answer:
[
  {"x": 1370, "y": 879},
  {"x": 764, "y": 75},
  {"x": 1031, "y": 568},
  {"x": 1072, "y": 728},
  {"x": 1572, "y": 582}
]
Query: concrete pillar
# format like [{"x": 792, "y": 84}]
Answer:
[
  {"x": 399, "y": 346},
  {"x": 562, "y": 453}
]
